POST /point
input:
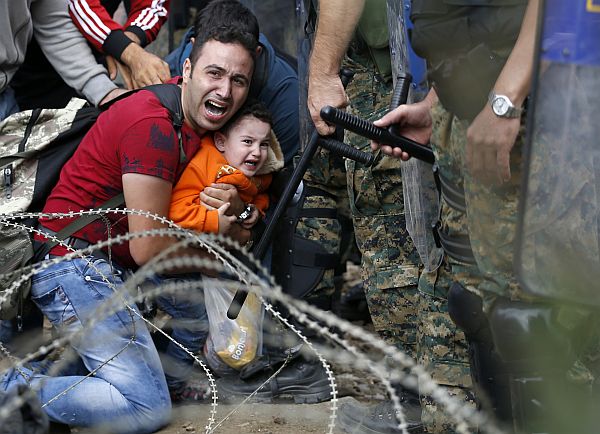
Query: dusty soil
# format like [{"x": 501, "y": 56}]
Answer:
[{"x": 280, "y": 418}]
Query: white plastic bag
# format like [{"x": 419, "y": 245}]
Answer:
[{"x": 235, "y": 342}]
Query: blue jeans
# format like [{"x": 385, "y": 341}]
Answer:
[
  {"x": 190, "y": 326},
  {"x": 128, "y": 394}
]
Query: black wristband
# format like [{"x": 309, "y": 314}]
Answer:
[
  {"x": 115, "y": 44},
  {"x": 137, "y": 31},
  {"x": 246, "y": 213}
]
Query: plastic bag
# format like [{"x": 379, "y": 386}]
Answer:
[{"x": 235, "y": 342}]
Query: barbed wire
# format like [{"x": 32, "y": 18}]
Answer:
[{"x": 251, "y": 276}]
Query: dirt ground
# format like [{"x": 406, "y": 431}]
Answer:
[
  {"x": 280, "y": 417},
  {"x": 277, "y": 418}
]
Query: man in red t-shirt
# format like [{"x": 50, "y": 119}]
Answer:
[{"x": 133, "y": 148}]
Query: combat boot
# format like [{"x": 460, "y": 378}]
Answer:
[
  {"x": 380, "y": 418},
  {"x": 305, "y": 381}
]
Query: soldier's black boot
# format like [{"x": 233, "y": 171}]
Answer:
[
  {"x": 488, "y": 371},
  {"x": 354, "y": 417}
]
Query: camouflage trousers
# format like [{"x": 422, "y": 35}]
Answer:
[
  {"x": 491, "y": 211},
  {"x": 490, "y": 222},
  {"x": 442, "y": 350},
  {"x": 372, "y": 196}
]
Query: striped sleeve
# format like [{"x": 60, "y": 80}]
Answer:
[
  {"x": 146, "y": 18},
  {"x": 106, "y": 35}
]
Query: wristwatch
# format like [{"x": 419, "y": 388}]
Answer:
[
  {"x": 503, "y": 107},
  {"x": 246, "y": 213}
]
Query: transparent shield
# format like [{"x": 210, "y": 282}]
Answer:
[
  {"x": 305, "y": 36},
  {"x": 420, "y": 194},
  {"x": 558, "y": 252}
]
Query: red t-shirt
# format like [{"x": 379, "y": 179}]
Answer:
[{"x": 135, "y": 135}]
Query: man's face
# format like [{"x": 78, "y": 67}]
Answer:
[
  {"x": 246, "y": 144},
  {"x": 217, "y": 85}
]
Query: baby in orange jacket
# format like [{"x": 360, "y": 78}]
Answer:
[{"x": 243, "y": 153}]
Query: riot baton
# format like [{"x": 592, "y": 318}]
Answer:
[
  {"x": 388, "y": 136},
  {"x": 315, "y": 141}
]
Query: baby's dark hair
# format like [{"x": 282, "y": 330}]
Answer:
[{"x": 252, "y": 107}]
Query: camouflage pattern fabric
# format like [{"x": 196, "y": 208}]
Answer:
[
  {"x": 442, "y": 349},
  {"x": 491, "y": 215},
  {"x": 449, "y": 156},
  {"x": 389, "y": 260},
  {"x": 490, "y": 222},
  {"x": 390, "y": 263}
]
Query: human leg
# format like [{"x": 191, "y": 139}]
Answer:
[
  {"x": 390, "y": 263},
  {"x": 128, "y": 392},
  {"x": 189, "y": 328}
]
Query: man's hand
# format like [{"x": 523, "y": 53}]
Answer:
[
  {"x": 217, "y": 195},
  {"x": 225, "y": 221},
  {"x": 489, "y": 141},
  {"x": 112, "y": 95},
  {"x": 239, "y": 234},
  {"x": 252, "y": 220},
  {"x": 146, "y": 68},
  {"x": 325, "y": 90},
  {"x": 114, "y": 67},
  {"x": 414, "y": 122}
]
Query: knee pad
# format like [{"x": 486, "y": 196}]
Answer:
[
  {"x": 466, "y": 310},
  {"x": 487, "y": 370}
]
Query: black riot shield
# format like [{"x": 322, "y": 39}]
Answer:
[
  {"x": 558, "y": 245},
  {"x": 420, "y": 195}
]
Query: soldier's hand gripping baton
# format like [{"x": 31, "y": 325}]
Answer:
[
  {"x": 315, "y": 141},
  {"x": 388, "y": 136}
]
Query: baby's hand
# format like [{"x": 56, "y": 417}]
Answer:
[
  {"x": 252, "y": 220},
  {"x": 225, "y": 221}
]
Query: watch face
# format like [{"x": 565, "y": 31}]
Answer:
[{"x": 500, "y": 105}]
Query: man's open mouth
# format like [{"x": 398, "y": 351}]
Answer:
[{"x": 215, "y": 108}]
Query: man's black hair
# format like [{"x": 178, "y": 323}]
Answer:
[
  {"x": 251, "y": 107},
  {"x": 230, "y": 13},
  {"x": 226, "y": 35}
]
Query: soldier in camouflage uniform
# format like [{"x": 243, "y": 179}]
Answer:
[
  {"x": 412, "y": 317},
  {"x": 478, "y": 150},
  {"x": 372, "y": 196}
]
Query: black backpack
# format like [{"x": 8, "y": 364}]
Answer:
[{"x": 34, "y": 146}]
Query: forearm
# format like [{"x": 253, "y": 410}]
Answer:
[
  {"x": 334, "y": 32},
  {"x": 515, "y": 79},
  {"x": 67, "y": 50}
]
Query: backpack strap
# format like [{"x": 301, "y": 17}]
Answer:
[
  {"x": 169, "y": 95},
  {"x": 76, "y": 225}
]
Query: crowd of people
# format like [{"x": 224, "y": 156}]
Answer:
[{"x": 242, "y": 120}]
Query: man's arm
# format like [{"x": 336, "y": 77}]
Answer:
[
  {"x": 68, "y": 51},
  {"x": 145, "y": 19},
  {"x": 334, "y": 32},
  {"x": 152, "y": 194},
  {"x": 125, "y": 43},
  {"x": 490, "y": 138}
]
